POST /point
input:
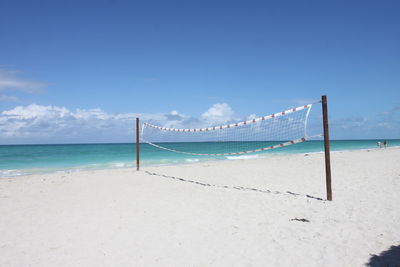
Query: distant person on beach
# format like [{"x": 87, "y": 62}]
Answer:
[
  {"x": 385, "y": 143},
  {"x": 379, "y": 144}
]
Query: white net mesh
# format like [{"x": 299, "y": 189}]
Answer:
[{"x": 256, "y": 135}]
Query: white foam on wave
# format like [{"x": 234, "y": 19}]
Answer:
[
  {"x": 192, "y": 160},
  {"x": 119, "y": 165},
  {"x": 108, "y": 165},
  {"x": 10, "y": 173},
  {"x": 243, "y": 157},
  {"x": 71, "y": 169}
]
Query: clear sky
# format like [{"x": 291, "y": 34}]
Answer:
[{"x": 67, "y": 65}]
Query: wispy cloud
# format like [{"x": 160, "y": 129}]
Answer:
[
  {"x": 8, "y": 98},
  {"x": 11, "y": 80},
  {"x": 351, "y": 122},
  {"x": 390, "y": 119},
  {"x": 385, "y": 124}
]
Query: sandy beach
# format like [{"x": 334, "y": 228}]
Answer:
[{"x": 257, "y": 212}]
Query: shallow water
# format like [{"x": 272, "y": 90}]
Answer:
[{"x": 18, "y": 160}]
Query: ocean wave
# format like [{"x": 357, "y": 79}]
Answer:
[
  {"x": 243, "y": 157},
  {"x": 122, "y": 164},
  {"x": 10, "y": 173},
  {"x": 192, "y": 160},
  {"x": 107, "y": 165}
]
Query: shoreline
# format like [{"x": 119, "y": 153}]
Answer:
[{"x": 132, "y": 164}]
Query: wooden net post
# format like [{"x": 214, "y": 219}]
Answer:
[
  {"x": 137, "y": 145},
  {"x": 327, "y": 148}
]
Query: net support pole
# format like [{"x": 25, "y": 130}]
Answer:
[
  {"x": 327, "y": 148},
  {"x": 137, "y": 145}
]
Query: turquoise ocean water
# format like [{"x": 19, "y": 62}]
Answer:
[{"x": 16, "y": 160}]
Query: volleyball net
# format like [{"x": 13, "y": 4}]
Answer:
[{"x": 254, "y": 135}]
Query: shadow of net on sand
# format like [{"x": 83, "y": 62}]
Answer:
[{"x": 241, "y": 188}]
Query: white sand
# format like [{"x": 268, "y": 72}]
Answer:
[{"x": 128, "y": 218}]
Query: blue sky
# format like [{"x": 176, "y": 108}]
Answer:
[{"x": 122, "y": 59}]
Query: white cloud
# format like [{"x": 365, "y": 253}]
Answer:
[
  {"x": 51, "y": 124},
  {"x": 11, "y": 81},
  {"x": 36, "y": 122},
  {"x": 35, "y": 111},
  {"x": 218, "y": 114},
  {"x": 252, "y": 116},
  {"x": 54, "y": 124}
]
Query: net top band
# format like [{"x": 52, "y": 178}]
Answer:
[{"x": 232, "y": 124}]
